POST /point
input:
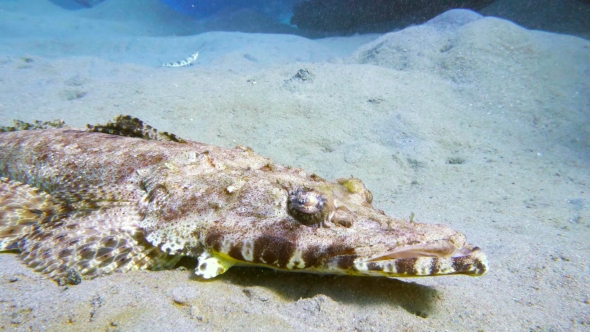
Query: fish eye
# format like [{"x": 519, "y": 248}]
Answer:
[{"x": 308, "y": 207}]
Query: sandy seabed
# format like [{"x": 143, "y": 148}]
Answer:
[{"x": 467, "y": 121}]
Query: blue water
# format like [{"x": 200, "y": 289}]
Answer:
[
  {"x": 202, "y": 8},
  {"x": 318, "y": 18},
  {"x": 280, "y": 10}
]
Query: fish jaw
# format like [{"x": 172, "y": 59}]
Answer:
[
  {"x": 472, "y": 262},
  {"x": 378, "y": 252}
]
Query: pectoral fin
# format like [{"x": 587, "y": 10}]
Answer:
[
  {"x": 85, "y": 233},
  {"x": 211, "y": 266}
]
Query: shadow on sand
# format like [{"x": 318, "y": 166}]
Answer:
[{"x": 415, "y": 298}]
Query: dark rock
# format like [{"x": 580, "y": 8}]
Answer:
[
  {"x": 562, "y": 16},
  {"x": 352, "y": 16},
  {"x": 246, "y": 20},
  {"x": 89, "y": 3},
  {"x": 76, "y": 4}
]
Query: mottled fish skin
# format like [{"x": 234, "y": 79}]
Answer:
[{"x": 123, "y": 196}]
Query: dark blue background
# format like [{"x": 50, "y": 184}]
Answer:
[{"x": 208, "y": 7}]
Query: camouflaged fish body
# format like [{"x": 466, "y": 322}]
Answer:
[{"x": 124, "y": 196}]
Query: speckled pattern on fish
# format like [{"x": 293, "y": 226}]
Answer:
[{"x": 79, "y": 203}]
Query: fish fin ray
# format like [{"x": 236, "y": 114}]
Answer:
[
  {"x": 126, "y": 125},
  {"x": 75, "y": 235},
  {"x": 22, "y": 208},
  {"x": 211, "y": 266},
  {"x": 19, "y": 125},
  {"x": 92, "y": 244}
]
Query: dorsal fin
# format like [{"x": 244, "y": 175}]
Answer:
[
  {"x": 21, "y": 125},
  {"x": 126, "y": 125}
]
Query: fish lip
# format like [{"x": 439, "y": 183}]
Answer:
[
  {"x": 436, "y": 249},
  {"x": 468, "y": 260}
]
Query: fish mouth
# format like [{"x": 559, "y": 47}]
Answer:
[
  {"x": 423, "y": 260},
  {"x": 449, "y": 255}
]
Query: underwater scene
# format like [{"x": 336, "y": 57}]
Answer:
[{"x": 295, "y": 165}]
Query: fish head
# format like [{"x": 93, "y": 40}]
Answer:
[{"x": 283, "y": 218}]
